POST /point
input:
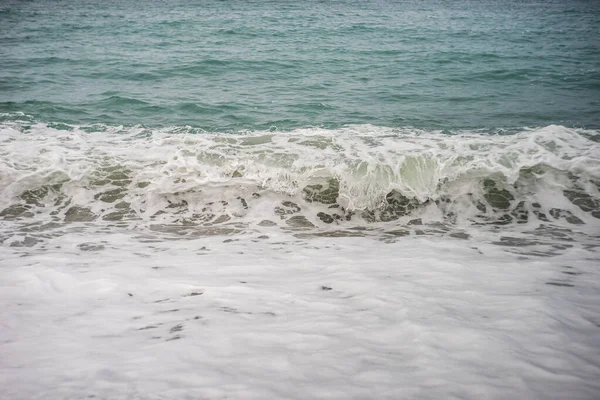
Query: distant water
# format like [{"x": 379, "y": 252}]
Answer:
[
  {"x": 277, "y": 199},
  {"x": 231, "y": 65}
]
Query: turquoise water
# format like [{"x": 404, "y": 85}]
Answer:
[{"x": 256, "y": 65}]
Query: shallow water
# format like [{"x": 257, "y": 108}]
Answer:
[{"x": 265, "y": 315}]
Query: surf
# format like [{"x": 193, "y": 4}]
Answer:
[{"x": 355, "y": 175}]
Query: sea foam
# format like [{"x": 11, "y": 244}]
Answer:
[{"x": 357, "y": 175}]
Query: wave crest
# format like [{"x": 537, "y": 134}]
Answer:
[{"x": 363, "y": 174}]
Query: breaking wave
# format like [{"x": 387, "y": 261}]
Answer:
[{"x": 307, "y": 178}]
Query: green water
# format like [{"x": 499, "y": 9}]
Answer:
[{"x": 233, "y": 65}]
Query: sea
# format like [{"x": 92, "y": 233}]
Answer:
[{"x": 277, "y": 199}]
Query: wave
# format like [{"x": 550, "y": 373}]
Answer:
[{"x": 305, "y": 178}]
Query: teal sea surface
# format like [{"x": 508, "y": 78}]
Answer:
[{"x": 255, "y": 65}]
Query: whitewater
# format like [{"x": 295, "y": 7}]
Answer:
[{"x": 348, "y": 263}]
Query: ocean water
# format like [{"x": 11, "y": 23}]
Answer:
[{"x": 273, "y": 199}]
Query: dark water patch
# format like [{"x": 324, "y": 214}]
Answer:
[
  {"x": 79, "y": 214},
  {"x": 265, "y": 222},
  {"x": 535, "y": 253},
  {"x": 287, "y": 208},
  {"x": 568, "y": 216},
  {"x": 561, "y": 246},
  {"x": 327, "y": 218},
  {"x": 192, "y": 294},
  {"x": 110, "y": 196},
  {"x": 28, "y": 241},
  {"x": 515, "y": 242},
  {"x": 520, "y": 213},
  {"x": 539, "y": 214},
  {"x": 60, "y": 126},
  {"x": 556, "y": 232},
  {"x": 299, "y": 221},
  {"x": 584, "y": 201},
  {"x": 144, "y": 328},
  {"x": 323, "y": 193},
  {"x": 38, "y": 195},
  {"x": 571, "y": 273},
  {"x": 194, "y": 231},
  {"x": 396, "y": 206},
  {"x": 120, "y": 215},
  {"x": 593, "y": 137},
  {"x": 90, "y": 247},
  {"x": 16, "y": 211},
  {"x": 331, "y": 234},
  {"x": 497, "y": 198},
  {"x": 40, "y": 227},
  {"x": 398, "y": 232},
  {"x": 559, "y": 284}
]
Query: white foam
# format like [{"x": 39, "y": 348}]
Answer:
[{"x": 282, "y": 318}]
